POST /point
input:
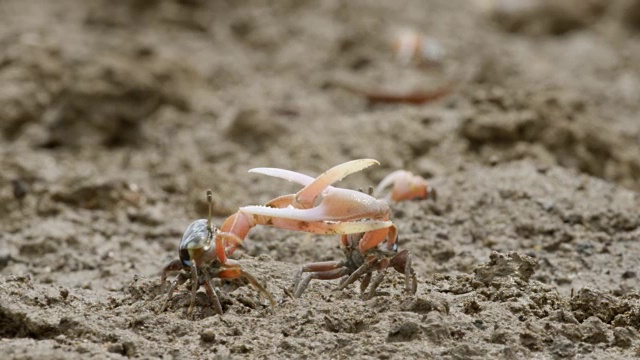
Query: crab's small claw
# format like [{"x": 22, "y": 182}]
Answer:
[{"x": 405, "y": 186}]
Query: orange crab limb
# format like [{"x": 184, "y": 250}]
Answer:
[
  {"x": 233, "y": 231},
  {"x": 226, "y": 243},
  {"x": 374, "y": 238}
]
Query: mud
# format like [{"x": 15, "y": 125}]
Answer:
[{"x": 116, "y": 116}]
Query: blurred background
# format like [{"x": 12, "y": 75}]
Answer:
[{"x": 116, "y": 116}]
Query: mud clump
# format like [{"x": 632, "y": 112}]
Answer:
[
  {"x": 425, "y": 305},
  {"x": 502, "y": 267},
  {"x": 618, "y": 311},
  {"x": 405, "y": 332}
]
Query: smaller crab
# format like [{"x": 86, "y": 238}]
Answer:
[{"x": 203, "y": 257}]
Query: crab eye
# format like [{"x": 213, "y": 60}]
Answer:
[{"x": 184, "y": 257}]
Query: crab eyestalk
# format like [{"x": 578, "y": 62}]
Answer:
[{"x": 210, "y": 202}]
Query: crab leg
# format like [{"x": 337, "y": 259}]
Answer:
[
  {"x": 217, "y": 307},
  {"x": 179, "y": 280},
  {"x": 317, "y": 267},
  {"x": 401, "y": 262},
  {"x": 174, "y": 265},
  {"x": 374, "y": 285},
  {"x": 362, "y": 270},
  {"x": 194, "y": 287},
  {"x": 364, "y": 283},
  {"x": 239, "y": 273}
]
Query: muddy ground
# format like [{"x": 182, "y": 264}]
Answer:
[{"x": 116, "y": 116}]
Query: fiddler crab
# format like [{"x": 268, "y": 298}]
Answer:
[{"x": 368, "y": 237}]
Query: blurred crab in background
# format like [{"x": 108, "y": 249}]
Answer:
[{"x": 368, "y": 236}]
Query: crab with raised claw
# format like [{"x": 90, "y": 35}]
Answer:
[{"x": 368, "y": 236}]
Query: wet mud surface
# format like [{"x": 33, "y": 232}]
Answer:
[{"x": 116, "y": 116}]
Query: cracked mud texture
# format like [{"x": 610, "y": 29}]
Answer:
[{"x": 116, "y": 116}]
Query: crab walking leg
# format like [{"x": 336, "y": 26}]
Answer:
[
  {"x": 324, "y": 270},
  {"x": 364, "y": 283},
  {"x": 172, "y": 266},
  {"x": 194, "y": 287},
  {"x": 401, "y": 262},
  {"x": 306, "y": 197},
  {"x": 321, "y": 268},
  {"x": 316, "y": 267},
  {"x": 234, "y": 271},
  {"x": 211, "y": 293},
  {"x": 374, "y": 285},
  {"x": 362, "y": 270},
  {"x": 179, "y": 280}
]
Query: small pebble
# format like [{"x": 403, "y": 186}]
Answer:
[
  {"x": 116, "y": 348},
  {"x": 64, "y": 293},
  {"x": 208, "y": 335},
  {"x": 629, "y": 275},
  {"x": 406, "y": 332}
]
